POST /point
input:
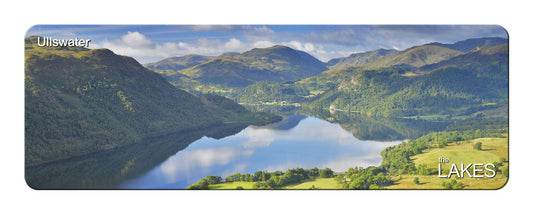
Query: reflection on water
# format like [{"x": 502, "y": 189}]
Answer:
[
  {"x": 378, "y": 128},
  {"x": 338, "y": 141},
  {"x": 311, "y": 142},
  {"x": 108, "y": 169}
]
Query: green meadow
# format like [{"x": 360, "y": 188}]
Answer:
[
  {"x": 232, "y": 185},
  {"x": 318, "y": 183},
  {"x": 492, "y": 150}
]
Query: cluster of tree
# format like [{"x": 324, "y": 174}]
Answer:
[
  {"x": 454, "y": 136},
  {"x": 267, "y": 180},
  {"x": 365, "y": 178},
  {"x": 453, "y": 184},
  {"x": 397, "y": 159},
  {"x": 270, "y": 92},
  {"x": 202, "y": 184},
  {"x": 292, "y": 176},
  {"x": 497, "y": 167}
]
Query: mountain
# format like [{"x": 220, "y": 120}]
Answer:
[
  {"x": 466, "y": 84},
  {"x": 469, "y": 44},
  {"x": 479, "y": 58},
  {"x": 275, "y": 64},
  {"x": 423, "y": 80},
  {"x": 80, "y": 101},
  {"x": 171, "y": 64},
  {"x": 360, "y": 58},
  {"x": 177, "y": 63},
  {"x": 415, "y": 57}
]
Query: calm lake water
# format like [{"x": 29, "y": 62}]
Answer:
[{"x": 304, "y": 142}]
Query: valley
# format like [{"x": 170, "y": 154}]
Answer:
[{"x": 266, "y": 118}]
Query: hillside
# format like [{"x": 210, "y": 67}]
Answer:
[
  {"x": 177, "y": 63},
  {"x": 462, "y": 85},
  {"x": 275, "y": 64},
  {"x": 360, "y": 58},
  {"x": 479, "y": 58},
  {"x": 415, "y": 57},
  {"x": 454, "y": 85},
  {"x": 469, "y": 44},
  {"x": 80, "y": 101}
]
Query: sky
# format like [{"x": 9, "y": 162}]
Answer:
[{"x": 151, "y": 43}]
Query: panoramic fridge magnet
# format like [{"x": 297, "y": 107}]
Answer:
[{"x": 266, "y": 107}]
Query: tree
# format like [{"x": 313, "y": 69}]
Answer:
[
  {"x": 477, "y": 146},
  {"x": 447, "y": 185},
  {"x": 313, "y": 172},
  {"x": 416, "y": 181},
  {"x": 214, "y": 179},
  {"x": 202, "y": 184},
  {"x": 325, "y": 173},
  {"x": 453, "y": 184},
  {"x": 506, "y": 172}
]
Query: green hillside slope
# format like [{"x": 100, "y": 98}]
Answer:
[
  {"x": 360, "y": 58},
  {"x": 177, "y": 63},
  {"x": 464, "y": 84},
  {"x": 415, "y": 57},
  {"x": 79, "y": 101},
  {"x": 275, "y": 64},
  {"x": 469, "y": 44}
]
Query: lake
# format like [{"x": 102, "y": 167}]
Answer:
[
  {"x": 302, "y": 139},
  {"x": 297, "y": 141}
]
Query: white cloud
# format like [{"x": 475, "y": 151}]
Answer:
[
  {"x": 317, "y": 50},
  {"x": 233, "y": 44},
  {"x": 294, "y": 44},
  {"x": 309, "y": 47},
  {"x": 145, "y": 50},
  {"x": 258, "y": 33},
  {"x": 258, "y": 137},
  {"x": 263, "y": 44},
  {"x": 136, "y": 39}
]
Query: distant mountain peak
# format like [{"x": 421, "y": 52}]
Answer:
[
  {"x": 276, "y": 49},
  {"x": 469, "y": 44},
  {"x": 277, "y": 63},
  {"x": 178, "y": 63},
  {"x": 356, "y": 59}
]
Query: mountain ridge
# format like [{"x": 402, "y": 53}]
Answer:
[
  {"x": 469, "y": 44},
  {"x": 360, "y": 58},
  {"x": 276, "y": 63},
  {"x": 414, "y": 57},
  {"x": 79, "y": 101}
]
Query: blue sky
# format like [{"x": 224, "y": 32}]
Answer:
[{"x": 150, "y": 43}]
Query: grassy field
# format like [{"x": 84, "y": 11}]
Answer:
[
  {"x": 492, "y": 150},
  {"x": 232, "y": 185},
  {"x": 319, "y": 183},
  {"x": 434, "y": 182}
]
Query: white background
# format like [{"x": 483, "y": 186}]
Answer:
[{"x": 16, "y": 18}]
